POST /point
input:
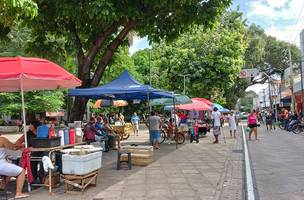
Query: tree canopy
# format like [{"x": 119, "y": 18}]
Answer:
[
  {"x": 267, "y": 53},
  {"x": 14, "y": 10},
  {"x": 94, "y": 30},
  {"x": 211, "y": 59}
]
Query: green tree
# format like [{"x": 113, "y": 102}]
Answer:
[
  {"x": 267, "y": 53},
  {"x": 246, "y": 103},
  {"x": 13, "y": 10},
  {"x": 36, "y": 102},
  {"x": 211, "y": 57},
  {"x": 94, "y": 30}
]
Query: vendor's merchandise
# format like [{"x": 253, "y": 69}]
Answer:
[
  {"x": 141, "y": 155},
  {"x": 71, "y": 136},
  {"x": 66, "y": 136},
  {"x": 61, "y": 135},
  {"x": 43, "y": 131}
]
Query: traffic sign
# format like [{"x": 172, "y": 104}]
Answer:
[{"x": 249, "y": 73}]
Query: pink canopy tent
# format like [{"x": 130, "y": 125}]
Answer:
[
  {"x": 30, "y": 74},
  {"x": 206, "y": 101},
  {"x": 195, "y": 105}
]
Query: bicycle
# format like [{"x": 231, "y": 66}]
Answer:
[{"x": 179, "y": 137}]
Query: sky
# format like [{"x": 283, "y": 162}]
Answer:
[{"x": 283, "y": 19}]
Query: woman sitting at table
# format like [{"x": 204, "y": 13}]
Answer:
[
  {"x": 8, "y": 169},
  {"x": 90, "y": 131},
  {"x": 31, "y": 133}
]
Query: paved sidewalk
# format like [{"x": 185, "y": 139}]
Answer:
[
  {"x": 202, "y": 171},
  {"x": 193, "y": 171},
  {"x": 278, "y": 165}
]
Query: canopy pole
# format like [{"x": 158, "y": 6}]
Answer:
[
  {"x": 175, "y": 122},
  {"x": 24, "y": 126},
  {"x": 23, "y": 114},
  {"x": 150, "y": 110}
]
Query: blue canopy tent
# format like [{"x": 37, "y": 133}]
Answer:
[
  {"x": 220, "y": 108},
  {"x": 125, "y": 87}
]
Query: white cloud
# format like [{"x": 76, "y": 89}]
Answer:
[
  {"x": 278, "y": 17},
  {"x": 138, "y": 44}
]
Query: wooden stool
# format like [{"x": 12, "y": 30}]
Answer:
[
  {"x": 119, "y": 161},
  {"x": 72, "y": 181}
]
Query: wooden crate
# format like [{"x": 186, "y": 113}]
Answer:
[
  {"x": 145, "y": 150},
  {"x": 139, "y": 159}
]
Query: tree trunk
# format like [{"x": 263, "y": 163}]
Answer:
[
  {"x": 85, "y": 63},
  {"x": 78, "y": 110}
]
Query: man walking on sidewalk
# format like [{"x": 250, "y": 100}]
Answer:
[{"x": 216, "y": 115}]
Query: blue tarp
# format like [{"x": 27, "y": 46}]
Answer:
[{"x": 125, "y": 87}]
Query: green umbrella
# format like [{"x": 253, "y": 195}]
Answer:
[{"x": 178, "y": 98}]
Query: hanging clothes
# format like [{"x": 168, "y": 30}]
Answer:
[{"x": 26, "y": 164}]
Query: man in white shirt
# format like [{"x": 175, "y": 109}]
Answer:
[{"x": 216, "y": 116}]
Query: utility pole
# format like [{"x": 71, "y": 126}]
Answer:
[
  {"x": 269, "y": 90},
  {"x": 184, "y": 75},
  {"x": 264, "y": 97},
  {"x": 150, "y": 80},
  {"x": 302, "y": 92},
  {"x": 291, "y": 81}
]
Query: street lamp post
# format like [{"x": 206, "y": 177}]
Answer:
[
  {"x": 184, "y": 75},
  {"x": 302, "y": 92},
  {"x": 150, "y": 79}
]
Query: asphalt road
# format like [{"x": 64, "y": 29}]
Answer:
[{"x": 278, "y": 164}]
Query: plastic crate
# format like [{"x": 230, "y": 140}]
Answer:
[{"x": 45, "y": 142}]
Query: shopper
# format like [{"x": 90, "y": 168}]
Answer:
[
  {"x": 253, "y": 124},
  {"x": 216, "y": 115},
  {"x": 232, "y": 124},
  {"x": 135, "y": 123},
  {"x": 154, "y": 124},
  {"x": 269, "y": 121}
]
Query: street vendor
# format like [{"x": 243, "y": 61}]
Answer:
[
  {"x": 31, "y": 133},
  {"x": 90, "y": 131},
  {"x": 8, "y": 169},
  {"x": 113, "y": 137},
  {"x": 183, "y": 118}
]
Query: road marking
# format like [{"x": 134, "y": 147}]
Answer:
[{"x": 248, "y": 171}]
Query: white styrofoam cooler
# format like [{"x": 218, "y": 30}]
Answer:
[{"x": 81, "y": 164}]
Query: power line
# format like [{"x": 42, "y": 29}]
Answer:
[{"x": 295, "y": 26}]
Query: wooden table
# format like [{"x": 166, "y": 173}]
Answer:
[
  {"x": 79, "y": 181},
  {"x": 51, "y": 150}
]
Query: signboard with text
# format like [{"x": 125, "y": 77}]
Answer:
[{"x": 249, "y": 73}]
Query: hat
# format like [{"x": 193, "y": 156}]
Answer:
[{"x": 62, "y": 126}]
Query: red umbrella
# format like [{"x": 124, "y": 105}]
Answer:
[
  {"x": 206, "y": 101},
  {"x": 28, "y": 74},
  {"x": 195, "y": 105}
]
